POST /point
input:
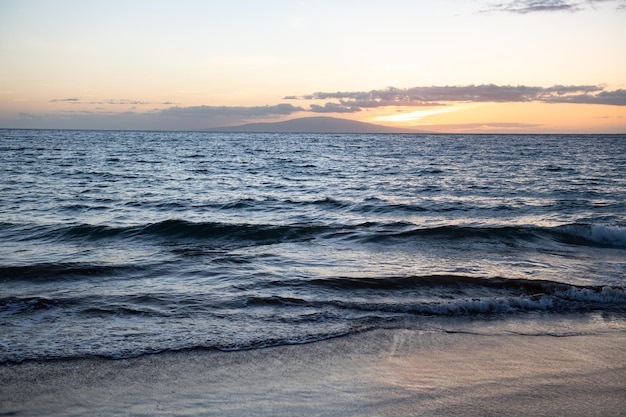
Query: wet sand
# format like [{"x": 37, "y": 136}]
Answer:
[{"x": 378, "y": 373}]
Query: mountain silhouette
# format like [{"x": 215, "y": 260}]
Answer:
[{"x": 315, "y": 125}]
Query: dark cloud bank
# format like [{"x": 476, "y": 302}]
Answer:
[{"x": 351, "y": 101}]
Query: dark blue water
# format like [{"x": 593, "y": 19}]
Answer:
[{"x": 123, "y": 243}]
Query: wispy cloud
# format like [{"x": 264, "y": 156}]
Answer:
[
  {"x": 114, "y": 102},
  {"x": 440, "y": 95},
  {"x": 533, "y": 6},
  {"x": 65, "y": 100},
  {"x": 121, "y": 102},
  {"x": 530, "y": 6}
]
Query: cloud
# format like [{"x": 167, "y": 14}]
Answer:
[
  {"x": 610, "y": 98},
  {"x": 32, "y": 116},
  {"x": 111, "y": 101},
  {"x": 202, "y": 117},
  {"x": 70, "y": 100},
  {"x": 532, "y": 6},
  {"x": 619, "y": 4},
  {"x": 172, "y": 118},
  {"x": 119, "y": 102},
  {"x": 440, "y": 95},
  {"x": 198, "y": 111},
  {"x": 334, "y": 108}
]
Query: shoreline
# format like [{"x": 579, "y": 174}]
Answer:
[{"x": 380, "y": 372}]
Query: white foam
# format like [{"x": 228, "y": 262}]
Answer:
[
  {"x": 491, "y": 305},
  {"x": 611, "y": 235},
  {"x": 606, "y": 295}
]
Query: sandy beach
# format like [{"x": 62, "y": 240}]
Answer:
[{"x": 378, "y": 373}]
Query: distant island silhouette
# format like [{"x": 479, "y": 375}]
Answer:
[{"x": 320, "y": 124}]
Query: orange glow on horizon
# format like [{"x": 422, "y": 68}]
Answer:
[{"x": 503, "y": 117}]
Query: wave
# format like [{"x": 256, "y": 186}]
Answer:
[
  {"x": 367, "y": 232},
  {"x": 370, "y": 205},
  {"x": 573, "y": 234},
  {"x": 64, "y": 271},
  {"x": 593, "y": 234},
  {"x": 463, "y": 295},
  {"x": 22, "y": 305},
  {"x": 175, "y": 229},
  {"x": 137, "y": 324},
  {"x": 449, "y": 281},
  {"x": 451, "y": 299},
  {"x": 430, "y": 294},
  {"x": 239, "y": 233},
  {"x": 367, "y": 206}
]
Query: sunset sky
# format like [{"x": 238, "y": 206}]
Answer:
[{"x": 448, "y": 65}]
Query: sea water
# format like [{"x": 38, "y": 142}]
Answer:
[{"x": 118, "y": 244}]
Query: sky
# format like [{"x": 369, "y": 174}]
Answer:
[{"x": 501, "y": 66}]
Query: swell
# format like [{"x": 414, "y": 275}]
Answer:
[
  {"x": 583, "y": 234},
  {"x": 346, "y": 205},
  {"x": 169, "y": 230},
  {"x": 443, "y": 281},
  {"x": 573, "y": 234},
  {"x": 461, "y": 294},
  {"x": 50, "y": 272},
  {"x": 369, "y": 206},
  {"x": 429, "y": 294}
]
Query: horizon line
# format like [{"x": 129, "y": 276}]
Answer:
[{"x": 216, "y": 130}]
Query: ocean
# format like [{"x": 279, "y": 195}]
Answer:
[{"x": 117, "y": 244}]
